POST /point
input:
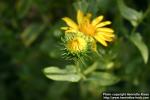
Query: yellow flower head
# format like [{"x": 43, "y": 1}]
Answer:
[
  {"x": 75, "y": 43},
  {"x": 95, "y": 28}
]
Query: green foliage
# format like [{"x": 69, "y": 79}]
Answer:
[
  {"x": 130, "y": 14},
  {"x": 103, "y": 78},
  {"x": 31, "y": 33},
  {"x": 137, "y": 41},
  {"x": 135, "y": 18},
  {"x": 68, "y": 74},
  {"x": 30, "y": 40},
  {"x": 23, "y": 7},
  {"x": 82, "y": 5}
]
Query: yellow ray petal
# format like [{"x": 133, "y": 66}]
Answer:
[
  {"x": 101, "y": 40},
  {"x": 86, "y": 19},
  {"x": 101, "y": 37},
  {"x": 103, "y": 24},
  {"x": 88, "y": 15},
  {"x": 107, "y": 38},
  {"x": 94, "y": 46},
  {"x": 70, "y": 23},
  {"x": 97, "y": 20},
  {"x": 104, "y": 29},
  {"x": 107, "y": 34},
  {"x": 80, "y": 16}
]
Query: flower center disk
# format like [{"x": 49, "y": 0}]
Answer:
[{"x": 76, "y": 45}]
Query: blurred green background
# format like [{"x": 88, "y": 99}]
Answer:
[{"x": 29, "y": 41}]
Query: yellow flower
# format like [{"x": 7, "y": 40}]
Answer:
[
  {"x": 95, "y": 28},
  {"x": 76, "y": 45}
]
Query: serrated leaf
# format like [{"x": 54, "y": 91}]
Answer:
[
  {"x": 138, "y": 42},
  {"x": 30, "y": 34},
  {"x": 130, "y": 14},
  {"x": 103, "y": 78},
  {"x": 67, "y": 74}
]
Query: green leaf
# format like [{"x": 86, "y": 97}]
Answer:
[
  {"x": 31, "y": 33},
  {"x": 130, "y": 14},
  {"x": 103, "y": 78},
  {"x": 67, "y": 74},
  {"x": 82, "y": 5},
  {"x": 138, "y": 42},
  {"x": 106, "y": 65},
  {"x": 57, "y": 95},
  {"x": 91, "y": 68},
  {"x": 23, "y": 7}
]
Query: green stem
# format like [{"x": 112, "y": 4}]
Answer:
[
  {"x": 77, "y": 66},
  {"x": 144, "y": 16},
  {"x": 78, "y": 69},
  {"x": 91, "y": 68}
]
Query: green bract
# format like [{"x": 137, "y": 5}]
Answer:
[{"x": 76, "y": 44}]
